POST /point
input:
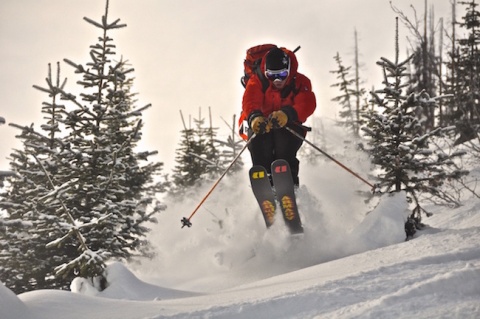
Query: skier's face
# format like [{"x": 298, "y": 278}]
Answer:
[
  {"x": 279, "y": 84},
  {"x": 278, "y": 77}
]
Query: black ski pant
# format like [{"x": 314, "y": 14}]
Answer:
[{"x": 277, "y": 144}]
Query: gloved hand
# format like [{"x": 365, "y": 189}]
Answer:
[
  {"x": 278, "y": 119},
  {"x": 260, "y": 125}
]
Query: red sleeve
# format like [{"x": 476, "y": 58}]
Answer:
[
  {"x": 305, "y": 101},
  {"x": 253, "y": 96}
]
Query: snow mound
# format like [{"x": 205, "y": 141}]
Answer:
[
  {"x": 11, "y": 307},
  {"x": 123, "y": 284},
  {"x": 384, "y": 225}
]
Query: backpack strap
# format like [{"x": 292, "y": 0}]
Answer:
[
  {"x": 261, "y": 76},
  {"x": 291, "y": 87}
]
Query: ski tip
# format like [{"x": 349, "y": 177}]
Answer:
[{"x": 298, "y": 236}]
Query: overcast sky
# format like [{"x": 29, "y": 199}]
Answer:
[{"x": 188, "y": 54}]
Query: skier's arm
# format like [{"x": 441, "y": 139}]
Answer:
[
  {"x": 305, "y": 101},
  {"x": 253, "y": 97}
]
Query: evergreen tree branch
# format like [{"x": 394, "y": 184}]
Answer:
[{"x": 70, "y": 218}]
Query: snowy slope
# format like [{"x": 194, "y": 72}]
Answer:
[
  {"x": 436, "y": 275},
  {"x": 352, "y": 262},
  {"x": 11, "y": 306}
]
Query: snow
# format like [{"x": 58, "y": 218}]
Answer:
[
  {"x": 352, "y": 262},
  {"x": 347, "y": 265}
]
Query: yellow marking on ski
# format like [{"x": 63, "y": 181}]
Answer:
[
  {"x": 288, "y": 207},
  {"x": 257, "y": 175},
  {"x": 268, "y": 210}
]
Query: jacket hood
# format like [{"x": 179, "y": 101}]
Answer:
[{"x": 293, "y": 63}]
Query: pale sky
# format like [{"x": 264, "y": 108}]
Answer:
[{"x": 189, "y": 54}]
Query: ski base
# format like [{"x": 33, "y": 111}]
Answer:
[
  {"x": 284, "y": 194},
  {"x": 285, "y": 191},
  {"x": 263, "y": 193}
]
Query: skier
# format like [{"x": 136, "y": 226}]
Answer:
[{"x": 288, "y": 100}]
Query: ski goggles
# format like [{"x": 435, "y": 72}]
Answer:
[{"x": 277, "y": 74}]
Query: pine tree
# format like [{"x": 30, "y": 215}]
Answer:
[
  {"x": 464, "y": 80},
  {"x": 208, "y": 135},
  {"x": 89, "y": 186},
  {"x": 196, "y": 156},
  {"x": 104, "y": 132},
  {"x": 33, "y": 223},
  {"x": 345, "y": 99},
  {"x": 229, "y": 149},
  {"x": 426, "y": 68},
  {"x": 397, "y": 142},
  {"x": 4, "y": 174},
  {"x": 351, "y": 93},
  {"x": 452, "y": 84}
]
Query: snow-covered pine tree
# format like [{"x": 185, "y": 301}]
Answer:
[
  {"x": 397, "y": 144},
  {"x": 211, "y": 154},
  {"x": 230, "y": 148},
  {"x": 196, "y": 157},
  {"x": 113, "y": 179},
  {"x": 31, "y": 223},
  {"x": 106, "y": 189},
  {"x": 4, "y": 174}
]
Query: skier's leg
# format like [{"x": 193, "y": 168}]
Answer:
[
  {"x": 286, "y": 147},
  {"x": 261, "y": 150}
]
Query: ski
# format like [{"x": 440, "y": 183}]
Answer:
[
  {"x": 285, "y": 193},
  {"x": 263, "y": 193}
]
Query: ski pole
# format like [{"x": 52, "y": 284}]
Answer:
[
  {"x": 186, "y": 221},
  {"x": 331, "y": 158}
]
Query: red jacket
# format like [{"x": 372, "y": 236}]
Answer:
[{"x": 301, "y": 98}]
